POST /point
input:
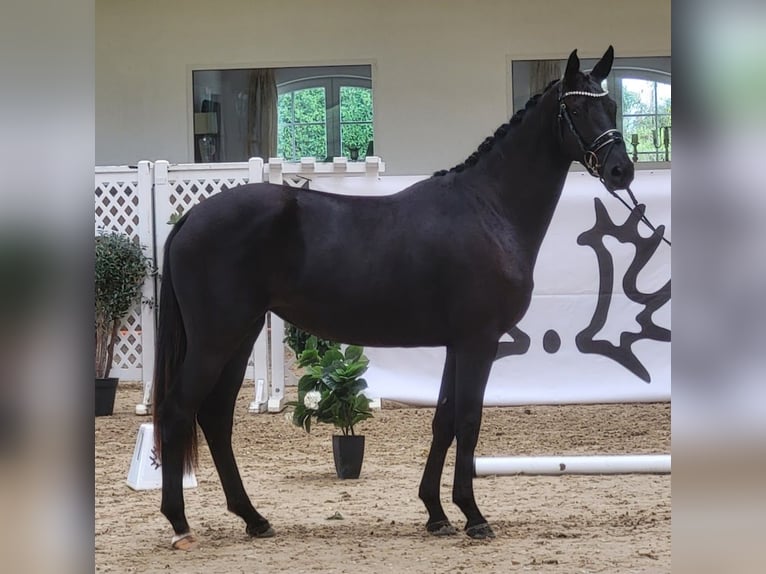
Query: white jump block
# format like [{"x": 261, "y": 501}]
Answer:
[{"x": 145, "y": 471}]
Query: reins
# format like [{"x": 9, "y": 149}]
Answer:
[{"x": 590, "y": 159}]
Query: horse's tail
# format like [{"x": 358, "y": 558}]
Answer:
[{"x": 171, "y": 350}]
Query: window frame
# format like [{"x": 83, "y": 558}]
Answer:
[
  {"x": 295, "y": 124},
  {"x": 360, "y": 65},
  {"x": 332, "y": 85},
  {"x": 614, "y": 85}
]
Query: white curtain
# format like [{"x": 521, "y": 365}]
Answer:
[
  {"x": 262, "y": 114},
  {"x": 541, "y": 73}
]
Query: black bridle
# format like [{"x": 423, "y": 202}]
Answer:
[
  {"x": 590, "y": 157},
  {"x": 590, "y": 152}
]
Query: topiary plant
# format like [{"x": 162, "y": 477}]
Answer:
[{"x": 120, "y": 271}]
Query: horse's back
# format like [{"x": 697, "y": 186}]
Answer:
[{"x": 407, "y": 269}]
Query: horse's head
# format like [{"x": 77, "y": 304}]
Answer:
[{"x": 587, "y": 123}]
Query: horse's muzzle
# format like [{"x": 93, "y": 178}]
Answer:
[{"x": 618, "y": 175}]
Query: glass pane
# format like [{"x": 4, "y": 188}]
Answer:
[
  {"x": 641, "y": 129},
  {"x": 311, "y": 141},
  {"x": 285, "y": 108},
  {"x": 637, "y": 96},
  {"x": 355, "y": 104},
  {"x": 309, "y": 105},
  {"x": 285, "y": 141},
  {"x": 355, "y": 136},
  {"x": 663, "y": 98}
]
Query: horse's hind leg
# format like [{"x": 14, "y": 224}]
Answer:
[
  {"x": 215, "y": 417},
  {"x": 178, "y": 423},
  {"x": 443, "y": 428},
  {"x": 473, "y": 366}
]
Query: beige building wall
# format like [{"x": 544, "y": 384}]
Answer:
[{"x": 441, "y": 78}]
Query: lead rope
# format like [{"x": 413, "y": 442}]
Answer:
[
  {"x": 595, "y": 171},
  {"x": 635, "y": 205},
  {"x": 590, "y": 153}
]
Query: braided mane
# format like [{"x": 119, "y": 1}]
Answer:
[{"x": 500, "y": 133}]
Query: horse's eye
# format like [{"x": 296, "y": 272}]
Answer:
[{"x": 574, "y": 112}]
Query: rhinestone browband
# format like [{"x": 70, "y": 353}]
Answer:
[{"x": 589, "y": 94}]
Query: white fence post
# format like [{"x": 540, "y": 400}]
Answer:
[
  {"x": 277, "y": 386},
  {"x": 372, "y": 166},
  {"x": 149, "y": 292},
  {"x": 261, "y": 380},
  {"x": 275, "y": 170},
  {"x": 261, "y": 376},
  {"x": 277, "y": 331},
  {"x": 163, "y": 208},
  {"x": 157, "y": 192},
  {"x": 255, "y": 170},
  {"x": 340, "y": 164}
]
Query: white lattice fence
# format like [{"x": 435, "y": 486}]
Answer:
[
  {"x": 188, "y": 189},
  {"x": 121, "y": 206},
  {"x": 180, "y": 187},
  {"x": 141, "y": 201}
]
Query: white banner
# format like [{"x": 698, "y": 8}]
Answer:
[{"x": 597, "y": 329}]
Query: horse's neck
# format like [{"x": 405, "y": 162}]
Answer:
[{"x": 526, "y": 173}]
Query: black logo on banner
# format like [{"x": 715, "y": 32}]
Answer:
[
  {"x": 584, "y": 340},
  {"x": 645, "y": 248},
  {"x": 154, "y": 460}
]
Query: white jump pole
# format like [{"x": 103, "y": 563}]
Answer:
[{"x": 558, "y": 465}]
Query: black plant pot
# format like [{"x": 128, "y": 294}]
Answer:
[
  {"x": 348, "y": 452},
  {"x": 106, "y": 389}
]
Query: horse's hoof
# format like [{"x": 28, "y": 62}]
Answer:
[
  {"x": 184, "y": 541},
  {"x": 262, "y": 531},
  {"x": 480, "y": 531},
  {"x": 441, "y": 528}
]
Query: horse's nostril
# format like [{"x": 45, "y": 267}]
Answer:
[{"x": 617, "y": 171}]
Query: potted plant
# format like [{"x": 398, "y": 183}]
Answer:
[
  {"x": 331, "y": 392},
  {"x": 120, "y": 270},
  {"x": 296, "y": 339},
  {"x": 355, "y": 141}
]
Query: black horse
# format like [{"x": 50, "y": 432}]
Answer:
[{"x": 445, "y": 262}]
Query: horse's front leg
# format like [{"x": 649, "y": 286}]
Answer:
[
  {"x": 473, "y": 364},
  {"x": 443, "y": 428}
]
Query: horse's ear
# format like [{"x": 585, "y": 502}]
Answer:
[
  {"x": 573, "y": 66},
  {"x": 601, "y": 70}
]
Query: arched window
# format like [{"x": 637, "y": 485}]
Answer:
[
  {"x": 302, "y": 121},
  {"x": 324, "y": 117},
  {"x": 644, "y": 108}
]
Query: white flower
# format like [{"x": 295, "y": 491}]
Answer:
[{"x": 311, "y": 400}]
